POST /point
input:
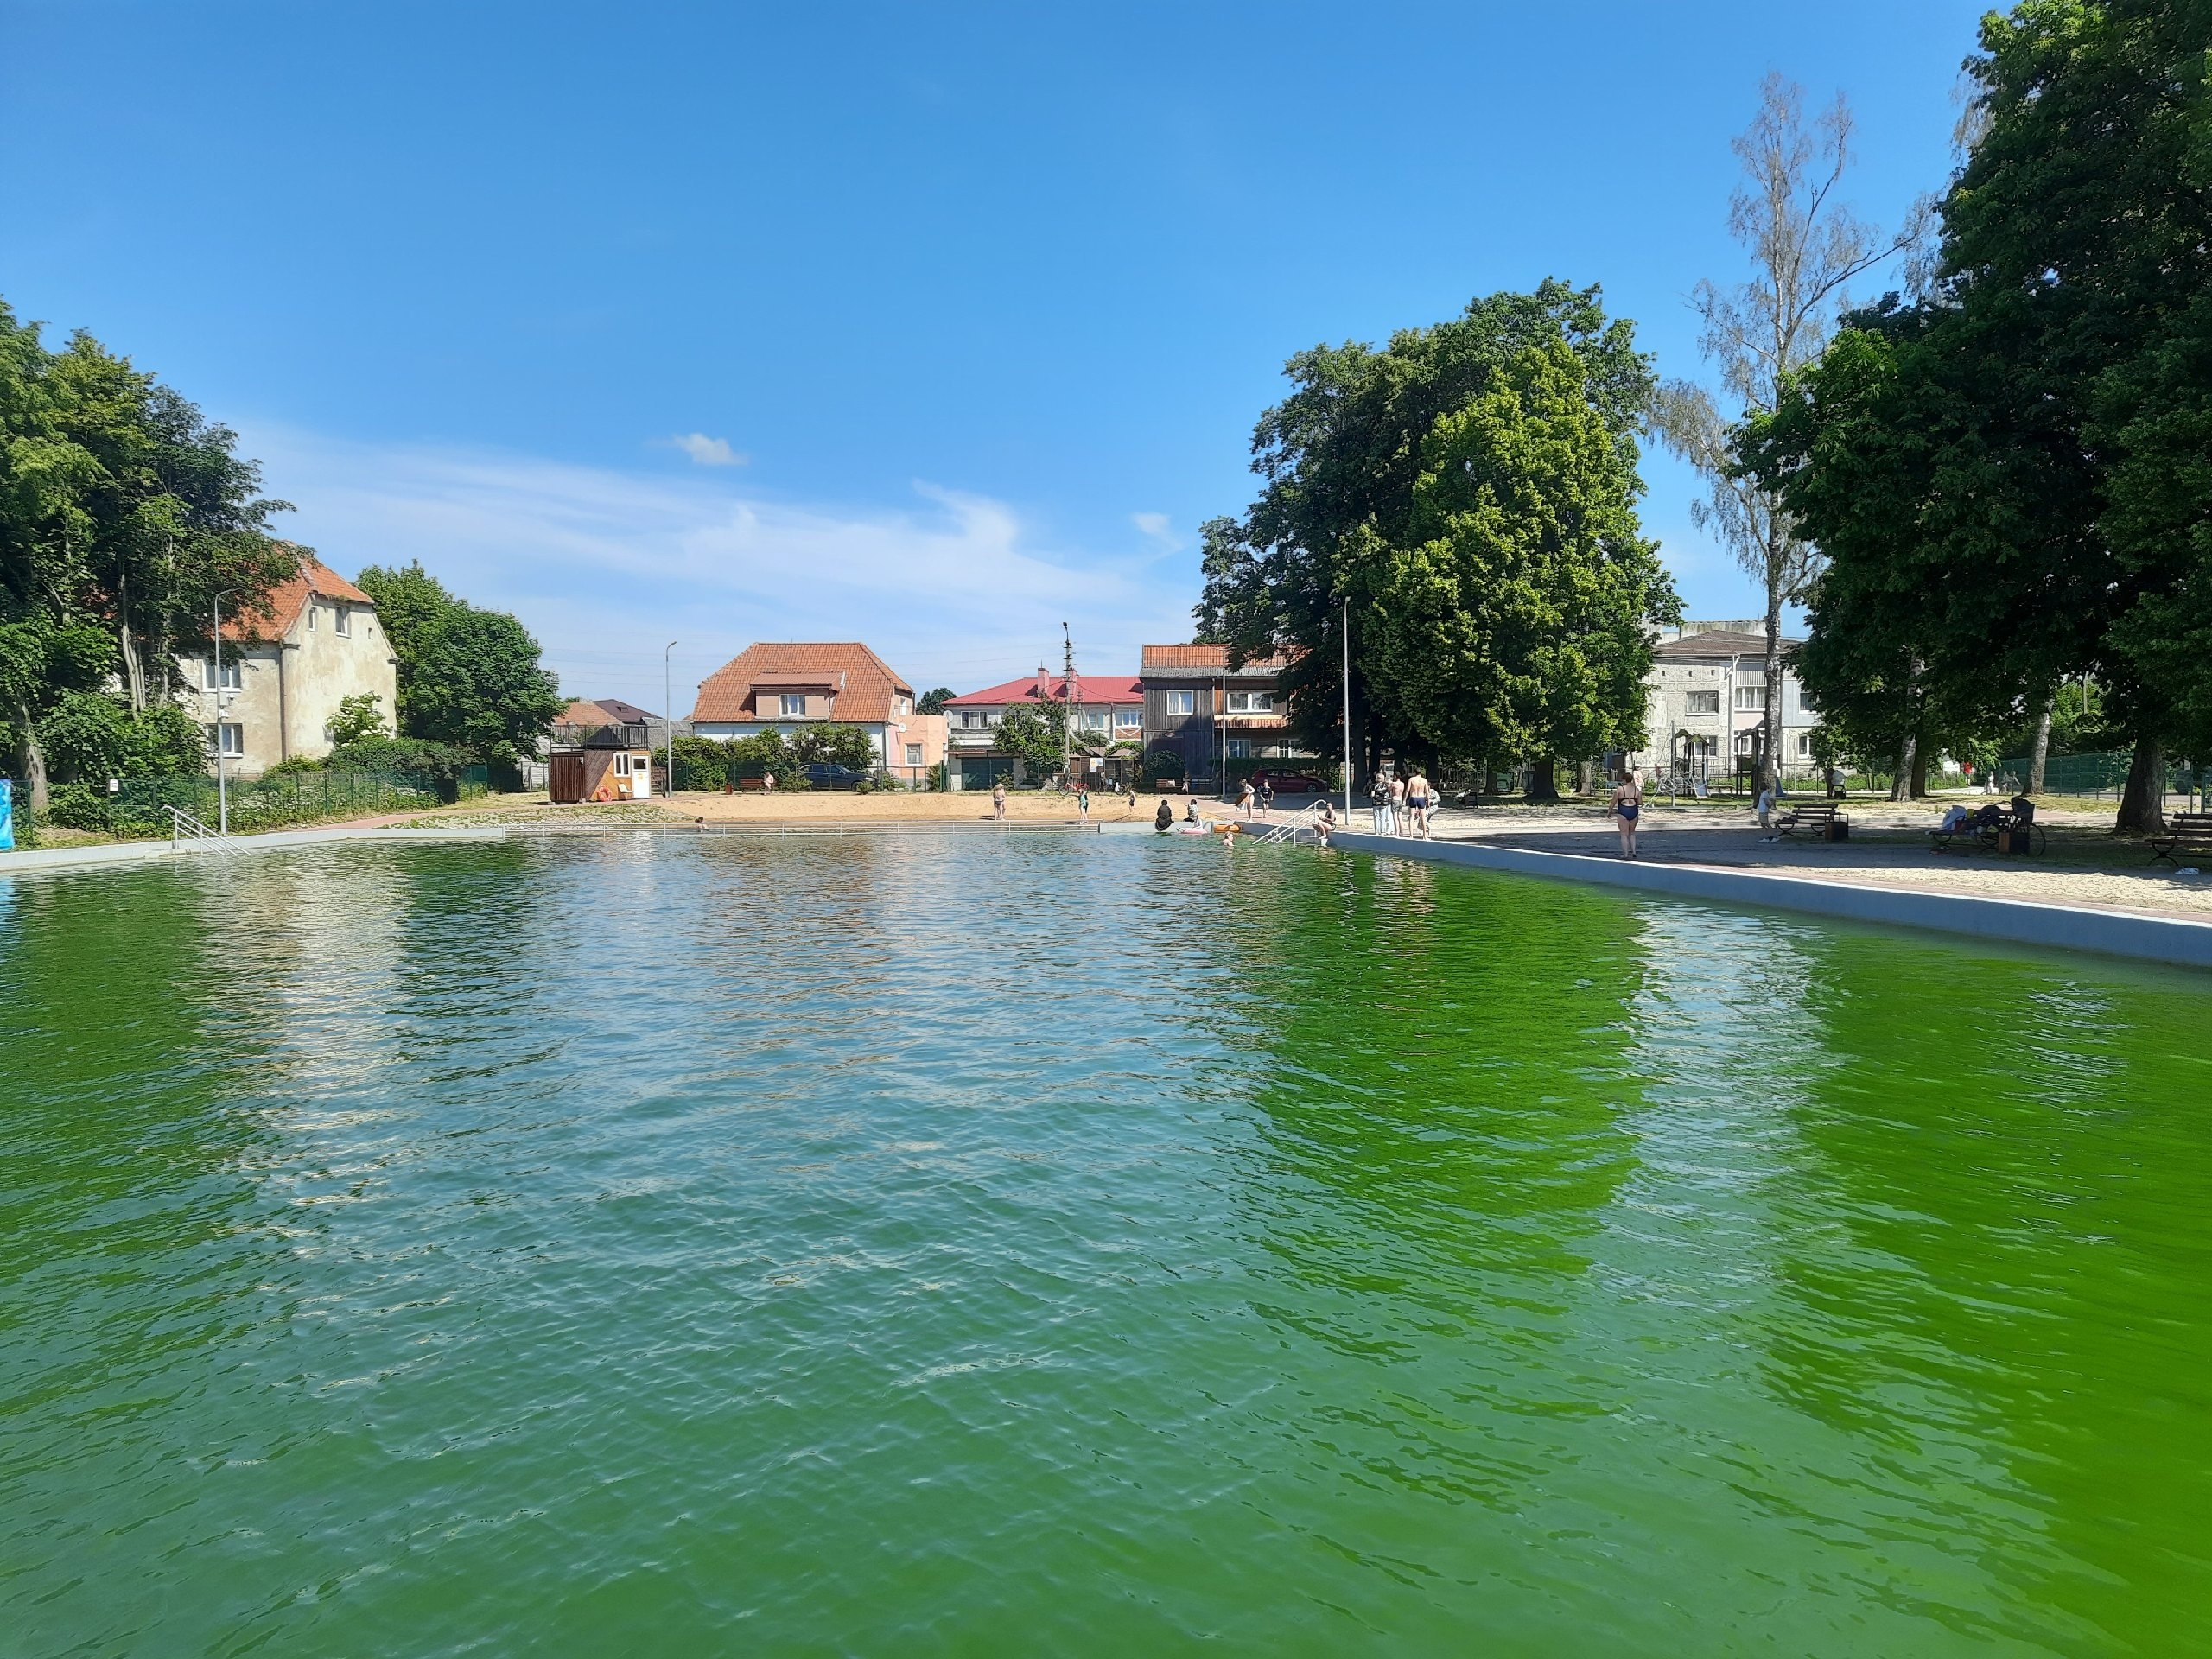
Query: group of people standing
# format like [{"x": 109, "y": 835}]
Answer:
[{"x": 1404, "y": 808}]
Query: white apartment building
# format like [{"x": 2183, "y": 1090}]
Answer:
[{"x": 1707, "y": 691}]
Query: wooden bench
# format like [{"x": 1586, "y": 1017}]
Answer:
[
  {"x": 1825, "y": 816},
  {"x": 2189, "y": 835}
]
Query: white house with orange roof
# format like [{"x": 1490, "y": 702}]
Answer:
[
  {"x": 1102, "y": 710},
  {"x": 285, "y": 672},
  {"x": 784, "y": 686}
]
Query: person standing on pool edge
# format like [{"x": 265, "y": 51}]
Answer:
[
  {"x": 998, "y": 799},
  {"x": 1628, "y": 803}
]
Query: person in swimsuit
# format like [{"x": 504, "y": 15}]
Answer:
[
  {"x": 1628, "y": 803},
  {"x": 1325, "y": 825},
  {"x": 1417, "y": 802},
  {"x": 1083, "y": 803},
  {"x": 998, "y": 799}
]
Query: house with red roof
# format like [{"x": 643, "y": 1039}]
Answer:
[
  {"x": 286, "y": 668},
  {"x": 783, "y": 686},
  {"x": 1102, "y": 710}
]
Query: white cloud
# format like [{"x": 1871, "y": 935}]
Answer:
[
  {"x": 605, "y": 566},
  {"x": 1155, "y": 525},
  {"x": 706, "y": 451}
]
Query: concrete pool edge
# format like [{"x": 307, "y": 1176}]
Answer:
[
  {"x": 2174, "y": 940},
  {"x": 30, "y": 860}
]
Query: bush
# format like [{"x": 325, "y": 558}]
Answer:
[
  {"x": 91, "y": 737},
  {"x": 441, "y": 761},
  {"x": 701, "y": 763},
  {"x": 80, "y": 806}
]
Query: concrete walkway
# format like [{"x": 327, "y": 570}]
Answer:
[
  {"x": 2150, "y": 936},
  {"x": 30, "y": 860}
]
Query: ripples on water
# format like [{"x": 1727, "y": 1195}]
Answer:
[{"x": 1024, "y": 1243}]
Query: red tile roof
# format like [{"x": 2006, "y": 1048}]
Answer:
[
  {"x": 288, "y": 599},
  {"x": 868, "y": 683},
  {"x": 1089, "y": 688}
]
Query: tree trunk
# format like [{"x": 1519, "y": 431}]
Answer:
[
  {"x": 33, "y": 758},
  {"x": 2040, "y": 753},
  {"x": 1543, "y": 780},
  {"x": 1770, "y": 764},
  {"x": 1919, "y": 770},
  {"x": 1908, "y": 767},
  {"x": 1585, "y": 772},
  {"x": 134, "y": 677},
  {"x": 2143, "y": 807}
]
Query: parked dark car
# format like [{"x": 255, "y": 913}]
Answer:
[
  {"x": 828, "y": 774},
  {"x": 1291, "y": 783}
]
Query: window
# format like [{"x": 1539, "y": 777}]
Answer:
[
  {"x": 1751, "y": 697},
  {"x": 1804, "y": 746},
  {"x": 228, "y": 739},
  {"x": 1805, "y": 703},
  {"x": 913, "y": 754},
  {"x": 1240, "y": 748},
  {"x": 1128, "y": 716},
  {"x": 1092, "y": 720},
  {"x": 312, "y": 608},
  {"x": 1744, "y": 742},
  {"x": 903, "y": 705},
  {"x": 1251, "y": 702},
  {"x": 341, "y": 618},
  {"x": 231, "y": 673},
  {"x": 621, "y": 765},
  {"x": 1181, "y": 702},
  {"x": 794, "y": 705},
  {"x": 1702, "y": 703}
]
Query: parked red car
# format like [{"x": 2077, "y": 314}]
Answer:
[{"x": 1291, "y": 783}]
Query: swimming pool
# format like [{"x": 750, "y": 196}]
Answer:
[{"x": 961, "y": 1241}]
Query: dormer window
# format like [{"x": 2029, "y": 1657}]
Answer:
[{"x": 794, "y": 705}]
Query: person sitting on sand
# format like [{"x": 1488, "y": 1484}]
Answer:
[
  {"x": 1164, "y": 820},
  {"x": 1190, "y": 811}
]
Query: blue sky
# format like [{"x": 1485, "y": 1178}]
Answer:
[{"x": 933, "y": 326}]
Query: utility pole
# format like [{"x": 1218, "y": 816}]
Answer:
[
  {"x": 1068, "y": 705},
  {"x": 667, "y": 722},
  {"x": 222, "y": 776}
]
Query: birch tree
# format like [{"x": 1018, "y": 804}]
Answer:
[{"x": 1806, "y": 248}]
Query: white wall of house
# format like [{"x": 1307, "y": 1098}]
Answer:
[{"x": 277, "y": 698}]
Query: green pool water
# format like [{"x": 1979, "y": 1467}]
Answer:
[{"x": 955, "y": 1242}]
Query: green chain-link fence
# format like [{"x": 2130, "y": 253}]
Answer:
[
  {"x": 140, "y": 806},
  {"x": 2084, "y": 774}
]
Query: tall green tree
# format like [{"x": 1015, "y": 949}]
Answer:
[
  {"x": 1518, "y": 626},
  {"x": 1806, "y": 248},
  {"x": 1342, "y": 457},
  {"x": 123, "y": 514},
  {"x": 1036, "y": 733},
  {"x": 467, "y": 678},
  {"x": 2001, "y": 474}
]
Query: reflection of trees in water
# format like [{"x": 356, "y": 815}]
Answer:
[
  {"x": 1443, "y": 1057},
  {"x": 1997, "y": 1255}
]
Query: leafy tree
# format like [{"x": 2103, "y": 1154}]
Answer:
[
  {"x": 466, "y": 676},
  {"x": 1518, "y": 628},
  {"x": 90, "y": 736},
  {"x": 703, "y": 761},
  {"x": 1806, "y": 248},
  {"x": 2002, "y": 474},
  {"x": 836, "y": 743},
  {"x": 933, "y": 702},
  {"x": 1342, "y": 456},
  {"x": 1035, "y": 733},
  {"x": 122, "y": 513},
  {"x": 357, "y": 717},
  {"x": 477, "y": 685}
]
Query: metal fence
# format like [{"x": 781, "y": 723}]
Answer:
[
  {"x": 135, "y": 806},
  {"x": 2085, "y": 775}
]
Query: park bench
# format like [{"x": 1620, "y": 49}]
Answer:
[
  {"x": 2189, "y": 835},
  {"x": 1823, "y": 818},
  {"x": 750, "y": 782}
]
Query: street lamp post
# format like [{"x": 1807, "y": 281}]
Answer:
[
  {"x": 222, "y": 776},
  {"x": 667, "y": 721},
  {"x": 1347, "y": 713}
]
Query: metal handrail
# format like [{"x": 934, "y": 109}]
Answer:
[
  {"x": 183, "y": 828},
  {"x": 1283, "y": 832}
]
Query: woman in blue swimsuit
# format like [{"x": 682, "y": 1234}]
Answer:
[{"x": 1628, "y": 805}]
